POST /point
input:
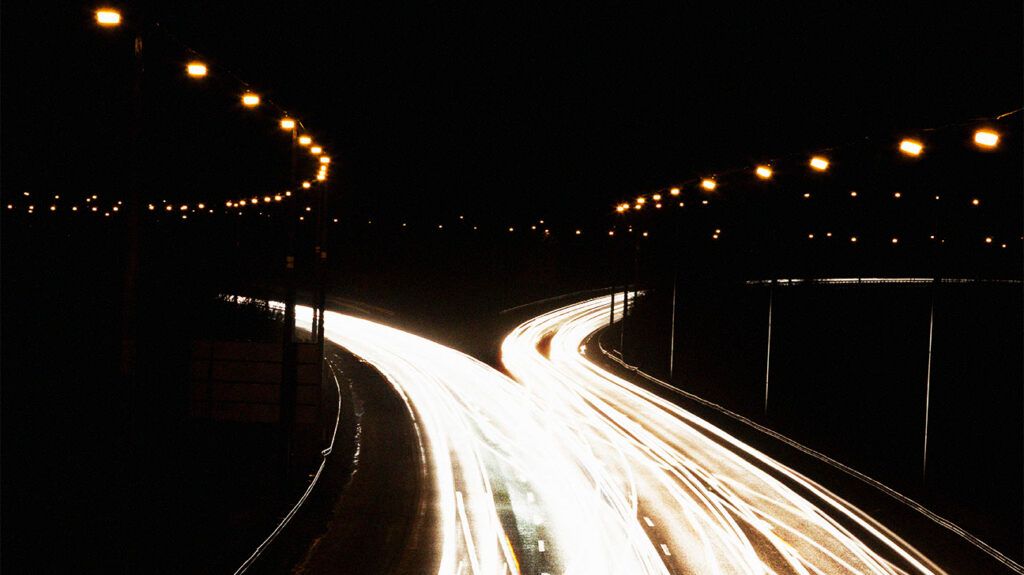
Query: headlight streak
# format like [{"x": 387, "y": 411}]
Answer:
[
  {"x": 721, "y": 507},
  {"x": 505, "y": 466}
]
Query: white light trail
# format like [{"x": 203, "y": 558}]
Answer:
[
  {"x": 505, "y": 467},
  {"x": 723, "y": 507}
]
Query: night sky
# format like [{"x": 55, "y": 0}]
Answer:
[{"x": 532, "y": 111}]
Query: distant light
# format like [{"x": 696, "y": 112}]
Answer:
[
  {"x": 988, "y": 240},
  {"x": 228, "y": 203},
  {"x": 975, "y": 202},
  {"x": 611, "y": 232},
  {"x": 305, "y": 140},
  {"x": 75, "y": 208},
  {"x": 853, "y": 194},
  {"x": 986, "y": 138},
  {"x": 638, "y": 206},
  {"x": 336, "y": 221},
  {"x": 241, "y": 202},
  {"x": 325, "y": 159},
  {"x": 309, "y": 209},
  {"x": 184, "y": 207},
  {"x": 897, "y": 195},
  {"x": 321, "y": 177},
  {"x": 201, "y": 206},
  {"x": 828, "y": 234},
  {"x": 641, "y": 200},
  {"x": 853, "y": 239},
  {"x": 108, "y": 17},
  {"x": 810, "y": 236},
  {"x": 316, "y": 150},
  {"x": 511, "y": 229},
  {"x": 763, "y": 172},
  {"x": 645, "y": 234},
  {"x": 708, "y": 184},
  {"x": 287, "y": 193},
  {"x": 167, "y": 209},
  {"x": 306, "y": 185},
  {"x": 578, "y": 232},
  {"x": 819, "y": 163},
  {"x": 807, "y": 195},
  {"x": 911, "y": 147},
  {"x": 266, "y": 199},
  {"x": 53, "y": 208},
  {"x": 704, "y": 202},
  {"x": 250, "y": 100},
  {"x": 895, "y": 240},
  {"x": 656, "y": 197},
  {"x": 674, "y": 191},
  {"x": 658, "y": 205},
  {"x": 714, "y": 236},
  {"x": 287, "y": 124},
  {"x": 196, "y": 69},
  {"x": 277, "y": 197},
  {"x": 1002, "y": 246},
  {"x": 681, "y": 204},
  {"x": 115, "y": 208}
]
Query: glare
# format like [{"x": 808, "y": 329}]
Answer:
[
  {"x": 763, "y": 172},
  {"x": 819, "y": 163},
  {"x": 305, "y": 140},
  {"x": 316, "y": 150},
  {"x": 674, "y": 191},
  {"x": 325, "y": 159},
  {"x": 656, "y": 197},
  {"x": 287, "y": 124},
  {"x": 641, "y": 200},
  {"x": 250, "y": 100},
  {"x": 708, "y": 184},
  {"x": 911, "y": 147},
  {"x": 196, "y": 69},
  {"x": 108, "y": 17},
  {"x": 986, "y": 138}
]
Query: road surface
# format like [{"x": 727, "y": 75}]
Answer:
[
  {"x": 569, "y": 469},
  {"x": 707, "y": 501}
]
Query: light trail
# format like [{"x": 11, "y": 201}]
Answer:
[
  {"x": 712, "y": 503},
  {"x": 517, "y": 489}
]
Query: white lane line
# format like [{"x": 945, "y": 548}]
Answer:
[
  {"x": 470, "y": 548},
  {"x": 664, "y": 549},
  {"x": 540, "y": 545},
  {"x": 648, "y": 521}
]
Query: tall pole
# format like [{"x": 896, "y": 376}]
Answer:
[
  {"x": 768, "y": 355},
  {"x": 928, "y": 387},
  {"x": 288, "y": 351},
  {"x": 129, "y": 326},
  {"x": 675, "y": 282}
]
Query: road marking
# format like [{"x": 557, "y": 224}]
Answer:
[
  {"x": 648, "y": 521},
  {"x": 540, "y": 545},
  {"x": 664, "y": 549}
]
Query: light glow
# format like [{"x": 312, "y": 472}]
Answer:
[
  {"x": 911, "y": 147},
  {"x": 763, "y": 172},
  {"x": 250, "y": 100},
  {"x": 108, "y": 17},
  {"x": 196, "y": 69},
  {"x": 986, "y": 138},
  {"x": 819, "y": 163},
  {"x": 708, "y": 184}
]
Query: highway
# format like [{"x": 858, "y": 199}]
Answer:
[
  {"x": 515, "y": 490},
  {"x": 707, "y": 502}
]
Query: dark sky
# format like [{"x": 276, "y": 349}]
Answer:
[{"x": 433, "y": 109}]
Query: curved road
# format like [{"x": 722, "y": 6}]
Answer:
[
  {"x": 710, "y": 503},
  {"x": 571, "y": 469}
]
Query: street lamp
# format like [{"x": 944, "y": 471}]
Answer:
[
  {"x": 985, "y": 138},
  {"x": 287, "y": 124},
  {"x": 250, "y": 100},
  {"x": 819, "y": 163},
  {"x": 911, "y": 147},
  {"x": 108, "y": 17},
  {"x": 305, "y": 140},
  {"x": 708, "y": 184},
  {"x": 764, "y": 172},
  {"x": 316, "y": 150},
  {"x": 196, "y": 69}
]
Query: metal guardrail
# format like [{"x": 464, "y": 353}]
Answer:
[
  {"x": 309, "y": 489},
  {"x": 914, "y": 505}
]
